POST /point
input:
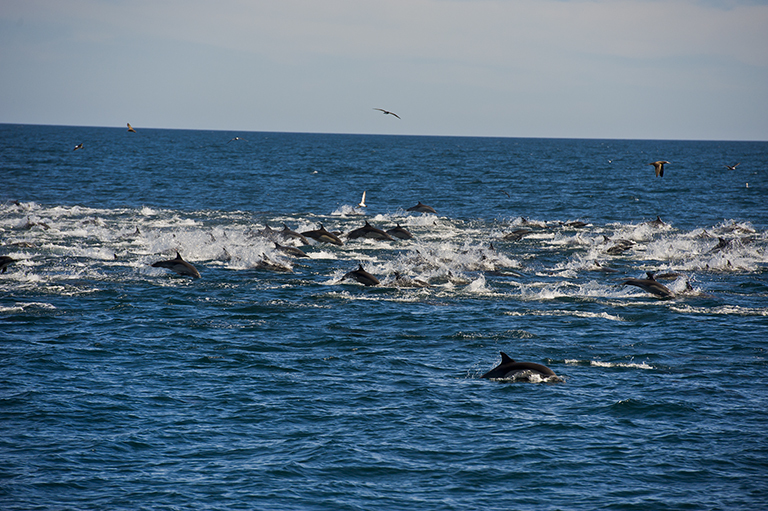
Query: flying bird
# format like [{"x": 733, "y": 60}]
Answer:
[
  {"x": 78, "y": 146},
  {"x": 130, "y": 128},
  {"x": 362, "y": 202},
  {"x": 659, "y": 166},
  {"x": 387, "y": 112},
  {"x": 732, "y": 167},
  {"x": 234, "y": 139}
]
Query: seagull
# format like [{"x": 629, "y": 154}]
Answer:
[
  {"x": 130, "y": 128},
  {"x": 732, "y": 167},
  {"x": 78, "y": 146},
  {"x": 387, "y": 112},
  {"x": 236, "y": 138},
  {"x": 362, "y": 202},
  {"x": 659, "y": 166}
]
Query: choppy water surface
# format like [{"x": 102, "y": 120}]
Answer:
[{"x": 273, "y": 383}]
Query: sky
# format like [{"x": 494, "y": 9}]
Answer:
[{"x": 618, "y": 69}]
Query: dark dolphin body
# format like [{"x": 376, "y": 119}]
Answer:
[
  {"x": 509, "y": 369},
  {"x": 323, "y": 236},
  {"x": 4, "y": 262},
  {"x": 287, "y": 234},
  {"x": 422, "y": 208},
  {"x": 362, "y": 277},
  {"x": 400, "y": 232},
  {"x": 178, "y": 265},
  {"x": 651, "y": 285},
  {"x": 291, "y": 251},
  {"x": 402, "y": 281},
  {"x": 369, "y": 231}
]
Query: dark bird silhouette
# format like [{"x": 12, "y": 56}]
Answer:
[
  {"x": 78, "y": 146},
  {"x": 387, "y": 112},
  {"x": 234, "y": 139},
  {"x": 659, "y": 166},
  {"x": 130, "y": 128},
  {"x": 732, "y": 167}
]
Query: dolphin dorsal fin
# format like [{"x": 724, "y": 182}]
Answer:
[
  {"x": 178, "y": 256},
  {"x": 506, "y": 359},
  {"x": 650, "y": 275}
]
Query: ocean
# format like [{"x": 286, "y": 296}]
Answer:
[{"x": 274, "y": 382}]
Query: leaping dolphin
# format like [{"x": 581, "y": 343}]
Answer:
[
  {"x": 422, "y": 208},
  {"x": 509, "y": 369},
  {"x": 400, "y": 232},
  {"x": 323, "y": 235},
  {"x": 369, "y": 231},
  {"x": 362, "y": 277},
  {"x": 287, "y": 234},
  {"x": 178, "y": 265},
  {"x": 659, "y": 166},
  {"x": 4, "y": 262},
  {"x": 651, "y": 285}
]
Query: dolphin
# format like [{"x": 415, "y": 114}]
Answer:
[
  {"x": 401, "y": 281},
  {"x": 4, "y": 262},
  {"x": 178, "y": 265},
  {"x": 400, "y": 232},
  {"x": 287, "y": 234},
  {"x": 509, "y": 369},
  {"x": 369, "y": 231},
  {"x": 659, "y": 166},
  {"x": 323, "y": 235},
  {"x": 651, "y": 285},
  {"x": 422, "y": 208},
  {"x": 292, "y": 251},
  {"x": 362, "y": 277}
]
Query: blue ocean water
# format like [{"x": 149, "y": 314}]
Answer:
[{"x": 273, "y": 383}]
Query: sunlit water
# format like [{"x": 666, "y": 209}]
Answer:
[{"x": 273, "y": 383}]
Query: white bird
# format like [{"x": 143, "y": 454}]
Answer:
[{"x": 362, "y": 202}]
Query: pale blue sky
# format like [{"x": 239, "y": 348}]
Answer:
[{"x": 658, "y": 69}]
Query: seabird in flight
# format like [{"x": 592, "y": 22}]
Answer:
[
  {"x": 387, "y": 112},
  {"x": 130, "y": 128},
  {"x": 732, "y": 167},
  {"x": 659, "y": 166},
  {"x": 362, "y": 202}
]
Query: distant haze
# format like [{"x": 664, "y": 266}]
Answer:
[{"x": 666, "y": 69}]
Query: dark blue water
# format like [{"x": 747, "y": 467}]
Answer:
[{"x": 272, "y": 383}]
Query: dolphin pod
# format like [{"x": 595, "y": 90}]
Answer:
[
  {"x": 511, "y": 370},
  {"x": 651, "y": 285},
  {"x": 179, "y": 266}
]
